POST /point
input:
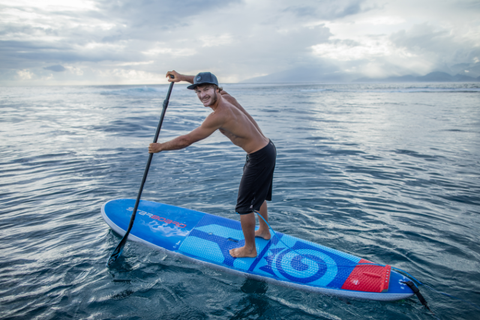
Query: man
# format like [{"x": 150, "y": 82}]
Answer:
[{"x": 235, "y": 123}]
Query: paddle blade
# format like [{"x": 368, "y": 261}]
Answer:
[{"x": 117, "y": 252}]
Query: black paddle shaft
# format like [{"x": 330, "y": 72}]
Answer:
[{"x": 118, "y": 250}]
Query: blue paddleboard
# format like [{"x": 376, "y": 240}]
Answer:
[{"x": 284, "y": 260}]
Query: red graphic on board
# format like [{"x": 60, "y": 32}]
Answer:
[
  {"x": 168, "y": 221},
  {"x": 368, "y": 278}
]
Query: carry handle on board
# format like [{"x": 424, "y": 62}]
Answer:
[{"x": 118, "y": 250}]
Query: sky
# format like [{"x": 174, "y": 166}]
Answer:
[{"x": 99, "y": 42}]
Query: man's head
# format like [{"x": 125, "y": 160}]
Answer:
[{"x": 206, "y": 87}]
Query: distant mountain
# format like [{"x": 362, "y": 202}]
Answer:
[
  {"x": 304, "y": 74},
  {"x": 436, "y": 76},
  {"x": 408, "y": 78},
  {"x": 330, "y": 75},
  {"x": 464, "y": 78}
]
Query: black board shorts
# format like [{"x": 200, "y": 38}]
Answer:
[{"x": 256, "y": 184}]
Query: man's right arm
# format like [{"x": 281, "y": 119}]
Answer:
[
  {"x": 177, "y": 77},
  {"x": 209, "y": 126}
]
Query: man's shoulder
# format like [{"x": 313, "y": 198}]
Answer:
[
  {"x": 218, "y": 116},
  {"x": 224, "y": 105},
  {"x": 223, "y": 113},
  {"x": 226, "y": 96}
]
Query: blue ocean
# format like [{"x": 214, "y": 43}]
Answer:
[{"x": 386, "y": 172}]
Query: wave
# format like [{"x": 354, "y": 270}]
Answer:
[
  {"x": 136, "y": 91},
  {"x": 394, "y": 90},
  {"x": 423, "y": 90}
]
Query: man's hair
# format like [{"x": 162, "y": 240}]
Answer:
[{"x": 212, "y": 85}]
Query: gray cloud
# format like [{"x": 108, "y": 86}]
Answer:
[
  {"x": 146, "y": 19},
  {"x": 159, "y": 12},
  {"x": 237, "y": 39},
  {"x": 56, "y": 68},
  {"x": 438, "y": 45},
  {"x": 328, "y": 10},
  {"x": 24, "y": 54},
  {"x": 469, "y": 4},
  {"x": 130, "y": 23}
]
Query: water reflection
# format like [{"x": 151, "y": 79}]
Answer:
[{"x": 255, "y": 304}]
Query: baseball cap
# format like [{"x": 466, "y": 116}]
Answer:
[{"x": 203, "y": 78}]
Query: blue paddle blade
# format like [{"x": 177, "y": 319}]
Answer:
[{"x": 116, "y": 253}]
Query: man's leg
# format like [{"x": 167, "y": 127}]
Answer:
[
  {"x": 264, "y": 230},
  {"x": 248, "y": 227}
]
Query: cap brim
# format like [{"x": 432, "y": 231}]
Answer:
[{"x": 193, "y": 86}]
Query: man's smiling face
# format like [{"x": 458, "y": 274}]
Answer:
[{"x": 207, "y": 94}]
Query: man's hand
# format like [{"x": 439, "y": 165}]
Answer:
[
  {"x": 177, "y": 77},
  {"x": 154, "y": 147}
]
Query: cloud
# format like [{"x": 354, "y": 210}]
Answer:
[
  {"x": 25, "y": 74},
  {"x": 327, "y": 10},
  {"x": 126, "y": 41},
  {"x": 153, "y": 20},
  {"x": 440, "y": 48},
  {"x": 56, "y": 68},
  {"x": 349, "y": 50},
  {"x": 164, "y": 13}
]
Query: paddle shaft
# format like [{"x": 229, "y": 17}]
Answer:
[{"x": 118, "y": 250}]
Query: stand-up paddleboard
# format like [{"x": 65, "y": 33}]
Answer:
[{"x": 284, "y": 259}]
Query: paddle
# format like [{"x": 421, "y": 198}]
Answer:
[{"x": 118, "y": 250}]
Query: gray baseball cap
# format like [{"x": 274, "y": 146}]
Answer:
[{"x": 203, "y": 78}]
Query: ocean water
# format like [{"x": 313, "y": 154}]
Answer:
[{"x": 387, "y": 172}]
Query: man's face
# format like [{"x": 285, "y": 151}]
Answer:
[{"x": 207, "y": 94}]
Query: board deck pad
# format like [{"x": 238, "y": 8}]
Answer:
[{"x": 285, "y": 259}]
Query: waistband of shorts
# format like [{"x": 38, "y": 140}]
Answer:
[{"x": 264, "y": 149}]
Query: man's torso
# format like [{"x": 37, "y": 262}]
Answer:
[{"x": 237, "y": 127}]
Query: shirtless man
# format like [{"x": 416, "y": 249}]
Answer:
[{"x": 235, "y": 123}]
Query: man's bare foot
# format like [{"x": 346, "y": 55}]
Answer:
[
  {"x": 265, "y": 235},
  {"x": 243, "y": 253}
]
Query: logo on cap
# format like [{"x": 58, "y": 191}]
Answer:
[{"x": 198, "y": 78}]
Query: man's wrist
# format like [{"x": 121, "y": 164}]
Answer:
[{"x": 187, "y": 78}]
